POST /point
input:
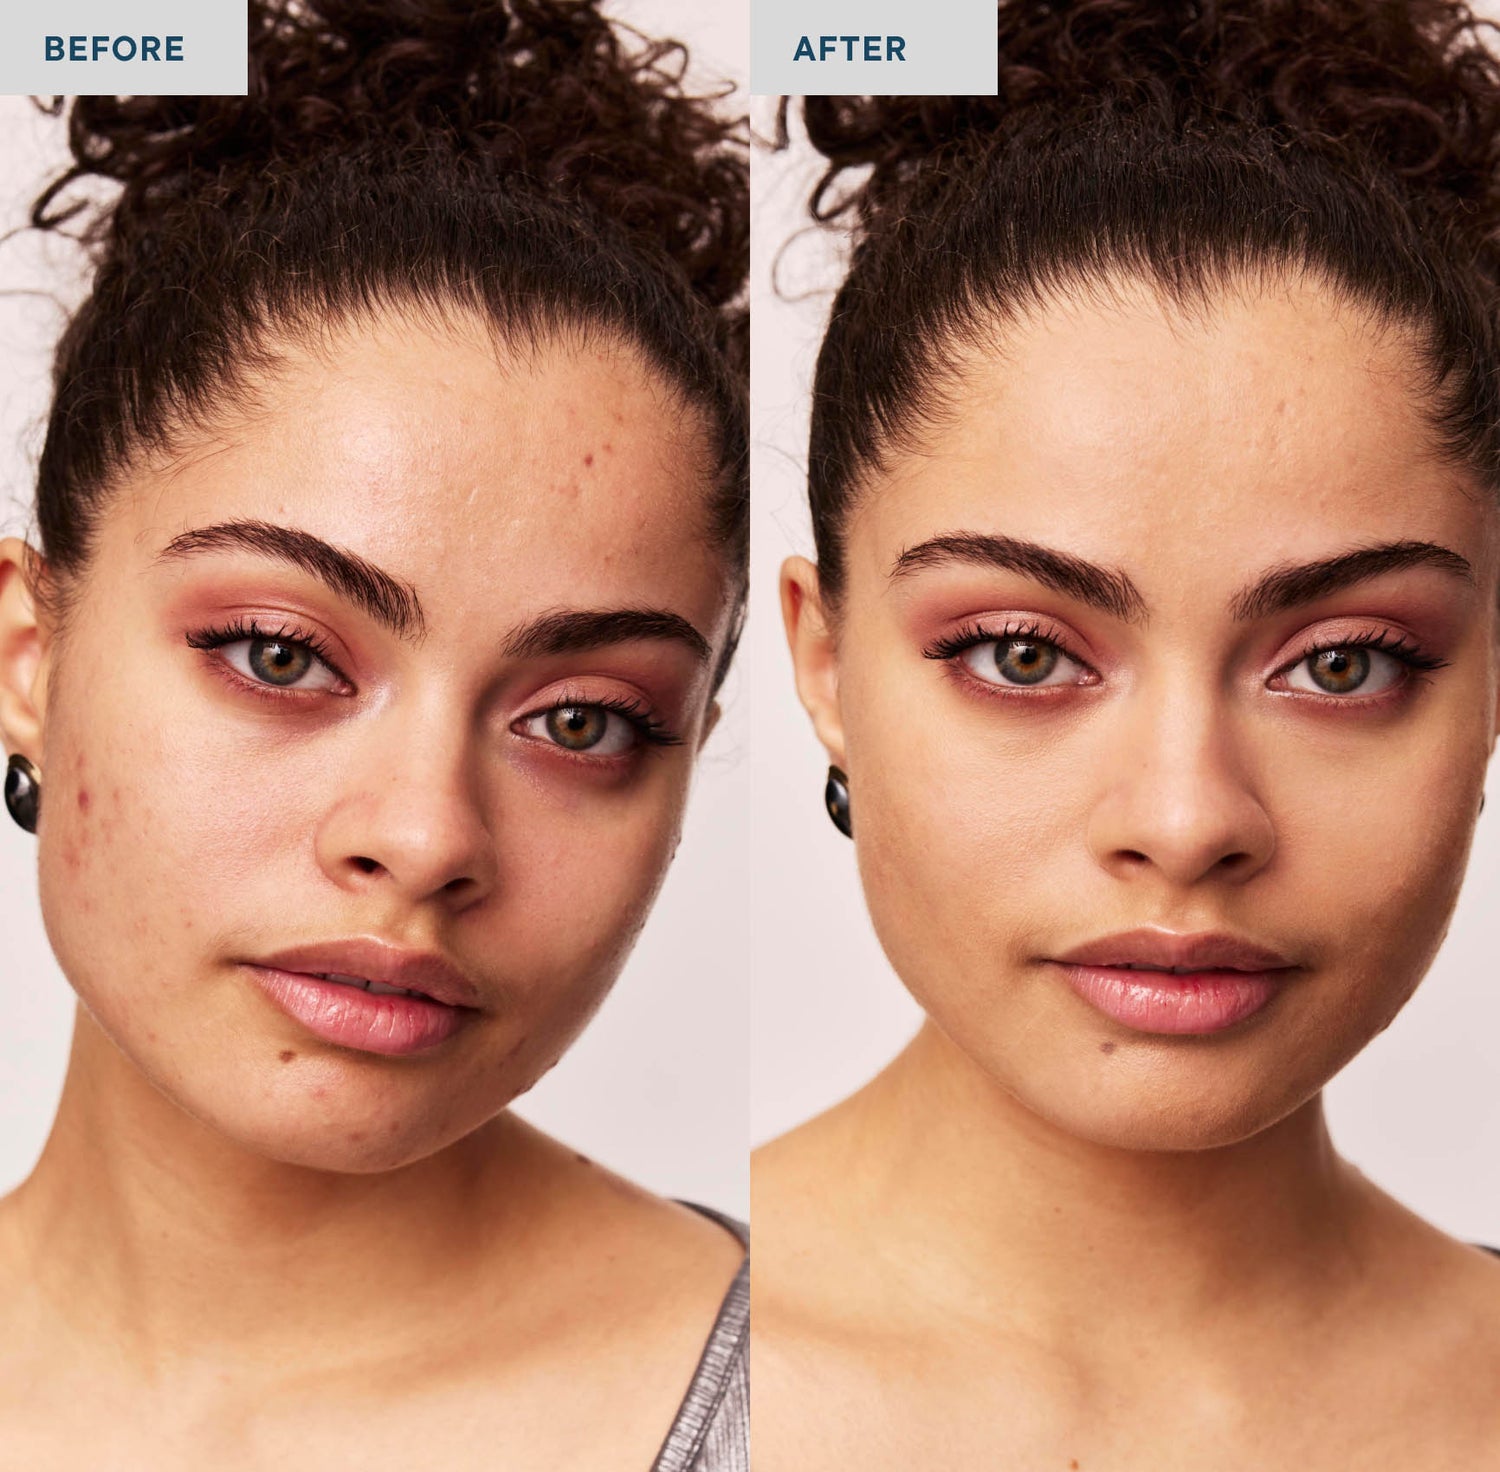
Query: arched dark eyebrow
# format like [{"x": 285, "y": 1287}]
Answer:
[
  {"x": 1292, "y": 585},
  {"x": 1104, "y": 588},
  {"x": 571, "y": 632},
  {"x": 386, "y": 599}
]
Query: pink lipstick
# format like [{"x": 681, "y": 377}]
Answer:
[
  {"x": 1156, "y": 982},
  {"x": 368, "y": 994}
]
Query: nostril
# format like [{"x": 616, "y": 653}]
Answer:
[{"x": 364, "y": 865}]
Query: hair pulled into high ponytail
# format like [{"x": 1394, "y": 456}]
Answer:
[{"x": 1185, "y": 143}]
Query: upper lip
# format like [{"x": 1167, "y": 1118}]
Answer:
[
  {"x": 380, "y": 961},
  {"x": 1205, "y": 951}
]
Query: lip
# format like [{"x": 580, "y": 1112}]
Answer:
[
  {"x": 1197, "y": 984},
  {"x": 369, "y": 1022}
]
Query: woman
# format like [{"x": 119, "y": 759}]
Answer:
[
  {"x": 1152, "y": 642},
  {"x": 390, "y": 552}
]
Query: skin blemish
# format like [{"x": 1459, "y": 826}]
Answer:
[
  {"x": 355, "y": 1136},
  {"x": 286, "y": 1055},
  {"x": 83, "y": 800},
  {"x": 1103, "y": 1048},
  {"x": 320, "y": 1093},
  {"x": 589, "y": 458}
]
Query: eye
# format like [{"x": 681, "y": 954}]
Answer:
[
  {"x": 1346, "y": 670},
  {"x": 286, "y": 664},
  {"x": 595, "y": 729},
  {"x": 1021, "y": 660}
]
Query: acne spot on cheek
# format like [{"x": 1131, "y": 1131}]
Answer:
[
  {"x": 150, "y": 1036},
  {"x": 589, "y": 458},
  {"x": 83, "y": 799},
  {"x": 355, "y": 1136},
  {"x": 286, "y": 1055},
  {"x": 1103, "y": 1048},
  {"x": 320, "y": 1093}
]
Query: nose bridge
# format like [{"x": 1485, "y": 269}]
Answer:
[
  {"x": 408, "y": 805},
  {"x": 1180, "y": 796}
]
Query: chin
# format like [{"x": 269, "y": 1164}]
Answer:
[
  {"x": 328, "y": 1120},
  {"x": 1162, "y": 1101}
]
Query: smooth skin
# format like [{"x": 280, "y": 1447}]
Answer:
[
  {"x": 1042, "y": 1239},
  {"x": 246, "y": 1247}
]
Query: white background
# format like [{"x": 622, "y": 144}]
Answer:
[
  {"x": 1419, "y": 1111},
  {"x": 657, "y": 1087}
]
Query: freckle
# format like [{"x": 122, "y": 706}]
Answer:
[
  {"x": 286, "y": 1055},
  {"x": 1104, "y": 1048},
  {"x": 83, "y": 800},
  {"x": 1073, "y": 1464},
  {"x": 150, "y": 1036}
]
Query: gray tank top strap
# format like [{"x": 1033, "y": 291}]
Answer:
[{"x": 711, "y": 1431}]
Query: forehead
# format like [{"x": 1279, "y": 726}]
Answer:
[
  {"x": 1270, "y": 422},
  {"x": 564, "y": 473}
]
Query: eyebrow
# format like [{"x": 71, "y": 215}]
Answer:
[
  {"x": 1105, "y": 588},
  {"x": 1292, "y": 585},
  {"x": 572, "y": 632},
  {"x": 1287, "y": 586},
  {"x": 388, "y": 600}
]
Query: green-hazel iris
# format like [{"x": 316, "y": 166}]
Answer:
[
  {"x": 279, "y": 662},
  {"x": 577, "y": 727},
  {"x": 1339, "y": 671},
  {"x": 1025, "y": 661}
]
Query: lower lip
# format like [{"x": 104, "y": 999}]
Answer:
[
  {"x": 1163, "y": 1002},
  {"x": 352, "y": 1018}
]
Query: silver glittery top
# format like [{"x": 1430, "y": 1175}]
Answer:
[{"x": 711, "y": 1432}]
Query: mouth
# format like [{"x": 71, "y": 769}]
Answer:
[
  {"x": 368, "y": 995},
  {"x": 1154, "y": 981}
]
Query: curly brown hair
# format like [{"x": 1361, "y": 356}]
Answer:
[
  {"x": 1183, "y": 142},
  {"x": 527, "y": 161}
]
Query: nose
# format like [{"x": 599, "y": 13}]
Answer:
[
  {"x": 1177, "y": 800},
  {"x": 408, "y": 817}
]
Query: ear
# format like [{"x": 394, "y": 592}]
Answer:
[
  {"x": 23, "y": 647},
  {"x": 710, "y": 720},
  {"x": 809, "y": 635}
]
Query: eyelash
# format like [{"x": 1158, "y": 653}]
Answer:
[
  {"x": 1398, "y": 646},
  {"x": 220, "y": 636},
  {"x": 649, "y": 727},
  {"x": 950, "y": 646}
]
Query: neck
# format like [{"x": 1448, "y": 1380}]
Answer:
[
  {"x": 145, "y": 1222},
  {"x": 1041, "y": 1225}
]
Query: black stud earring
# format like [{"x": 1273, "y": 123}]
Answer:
[
  {"x": 836, "y": 800},
  {"x": 23, "y": 791}
]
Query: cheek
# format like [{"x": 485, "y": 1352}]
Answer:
[
  {"x": 151, "y": 829},
  {"x": 1376, "y": 847},
  {"x": 960, "y": 816}
]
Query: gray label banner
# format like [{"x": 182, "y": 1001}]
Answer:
[
  {"x": 913, "y": 48},
  {"x": 124, "y": 47}
]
